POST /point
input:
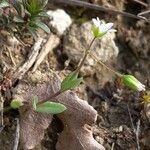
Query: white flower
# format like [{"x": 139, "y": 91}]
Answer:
[
  {"x": 131, "y": 82},
  {"x": 100, "y": 27}
]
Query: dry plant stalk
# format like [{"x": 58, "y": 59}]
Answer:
[{"x": 51, "y": 43}]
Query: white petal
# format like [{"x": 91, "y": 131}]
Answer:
[
  {"x": 140, "y": 87},
  {"x": 105, "y": 27},
  {"x": 112, "y": 30},
  {"x": 109, "y": 26},
  {"x": 96, "y": 23},
  {"x": 98, "y": 20}
]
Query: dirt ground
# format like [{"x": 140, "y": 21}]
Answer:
[{"x": 120, "y": 111}]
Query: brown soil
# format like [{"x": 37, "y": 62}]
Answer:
[{"x": 113, "y": 127}]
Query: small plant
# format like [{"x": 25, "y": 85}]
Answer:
[
  {"x": 20, "y": 16},
  {"x": 72, "y": 80}
]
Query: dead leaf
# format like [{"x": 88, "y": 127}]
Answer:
[{"x": 79, "y": 113}]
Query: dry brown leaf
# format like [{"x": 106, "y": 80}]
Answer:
[{"x": 78, "y": 114}]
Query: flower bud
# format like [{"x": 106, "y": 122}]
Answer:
[
  {"x": 131, "y": 82},
  {"x": 15, "y": 103}
]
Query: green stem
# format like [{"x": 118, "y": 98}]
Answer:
[
  {"x": 86, "y": 52},
  {"x": 102, "y": 64},
  {"x": 51, "y": 97}
]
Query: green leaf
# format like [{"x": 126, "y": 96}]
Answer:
[
  {"x": 35, "y": 100},
  {"x": 43, "y": 14},
  {"x": 71, "y": 81},
  {"x": 18, "y": 19},
  {"x": 4, "y": 4},
  {"x": 43, "y": 26},
  {"x": 72, "y": 84},
  {"x": 34, "y": 7},
  {"x": 18, "y": 6},
  {"x": 32, "y": 30},
  {"x": 68, "y": 77},
  {"x": 51, "y": 107}
]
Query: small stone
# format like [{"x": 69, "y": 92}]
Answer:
[
  {"x": 120, "y": 129},
  {"x": 60, "y": 21}
]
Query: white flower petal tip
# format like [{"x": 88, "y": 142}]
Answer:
[
  {"x": 140, "y": 87},
  {"x": 102, "y": 27},
  {"x": 112, "y": 30}
]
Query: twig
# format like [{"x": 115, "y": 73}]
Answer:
[
  {"x": 112, "y": 147},
  {"x": 1, "y": 112},
  {"x": 143, "y": 13},
  {"x": 135, "y": 130},
  {"x": 140, "y": 2},
  {"x": 97, "y": 7},
  {"x": 17, "y": 135},
  {"x": 52, "y": 43},
  {"x": 137, "y": 133},
  {"x": 102, "y": 64},
  {"x": 11, "y": 56},
  {"x": 33, "y": 55}
]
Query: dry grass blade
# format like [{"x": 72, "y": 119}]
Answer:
[
  {"x": 100, "y": 8},
  {"x": 17, "y": 135},
  {"x": 33, "y": 55},
  {"x": 140, "y": 2}
]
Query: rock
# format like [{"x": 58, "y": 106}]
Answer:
[
  {"x": 60, "y": 21},
  {"x": 78, "y": 39}
]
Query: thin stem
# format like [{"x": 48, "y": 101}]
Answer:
[
  {"x": 101, "y": 63},
  {"x": 136, "y": 132},
  {"x": 51, "y": 97},
  {"x": 1, "y": 111},
  {"x": 86, "y": 52}
]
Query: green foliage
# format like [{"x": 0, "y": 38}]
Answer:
[
  {"x": 51, "y": 107},
  {"x": 71, "y": 81},
  {"x": 15, "y": 103},
  {"x": 18, "y": 16},
  {"x": 34, "y": 7},
  {"x": 35, "y": 100},
  {"x": 47, "y": 107}
]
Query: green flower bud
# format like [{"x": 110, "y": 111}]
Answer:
[
  {"x": 15, "y": 103},
  {"x": 131, "y": 82}
]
